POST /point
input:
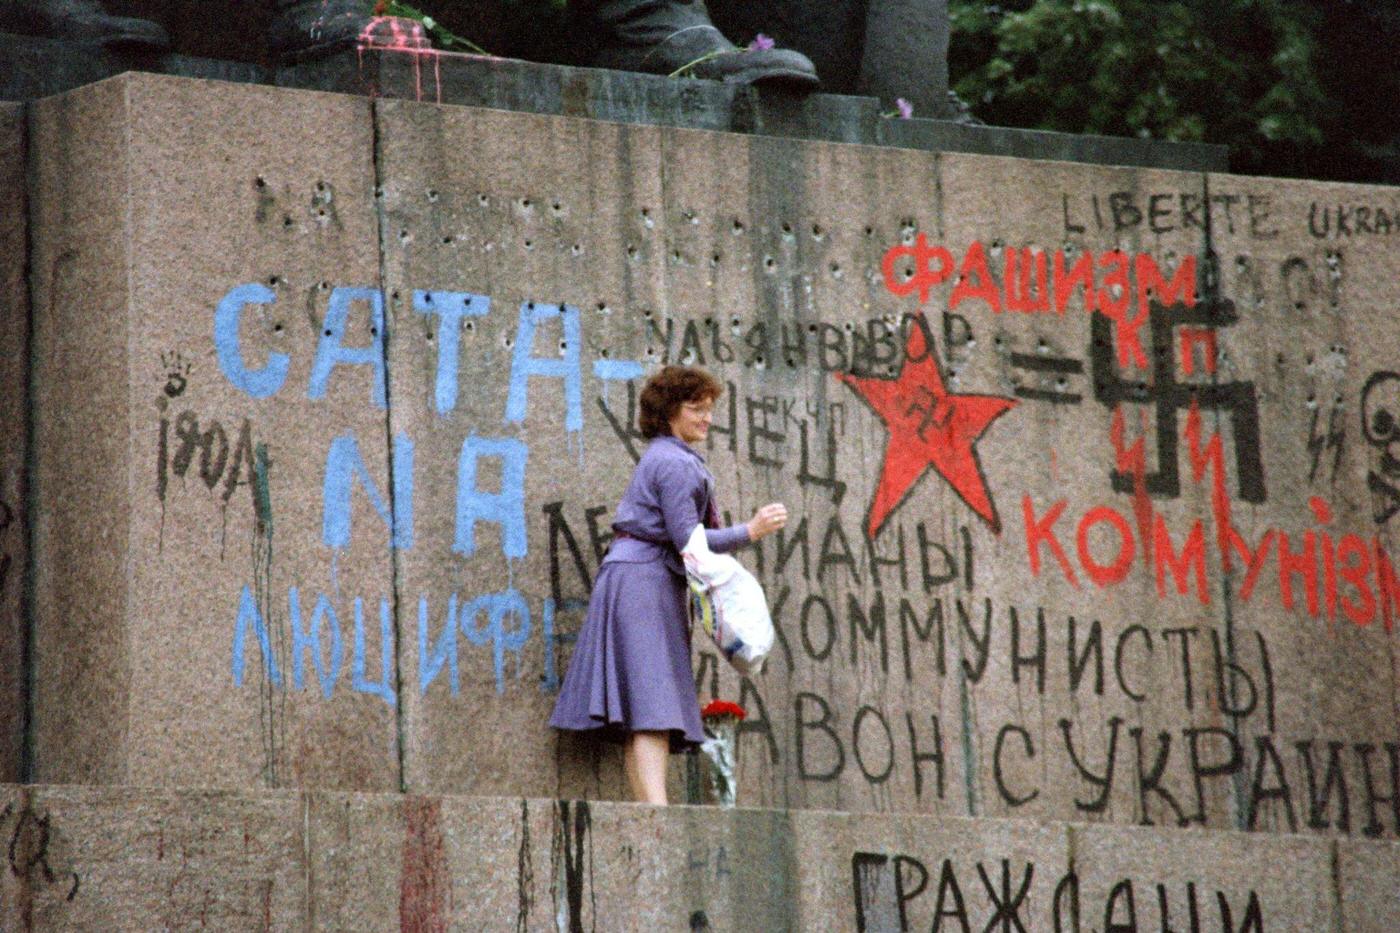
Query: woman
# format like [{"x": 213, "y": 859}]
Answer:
[{"x": 630, "y": 677}]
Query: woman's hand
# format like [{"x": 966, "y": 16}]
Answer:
[{"x": 767, "y": 520}]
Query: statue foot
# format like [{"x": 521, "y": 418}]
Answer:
[
  {"x": 304, "y": 28},
  {"x": 83, "y": 21},
  {"x": 960, "y": 112},
  {"x": 670, "y": 36}
]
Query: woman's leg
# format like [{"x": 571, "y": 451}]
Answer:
[
  {"x": 629, "y": 762},
  {"x": 645, "y": 756}
]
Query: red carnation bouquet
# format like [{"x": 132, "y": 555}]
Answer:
[
  {"x": 722, "y": 720},
  {"x": 716, "y": 708}
]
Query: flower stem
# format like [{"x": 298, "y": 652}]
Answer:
[
  {"x": 681, "y": 71},
  {"x": 442, "y": 37}
]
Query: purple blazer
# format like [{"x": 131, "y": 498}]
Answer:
[{"x": 671, "y": 492}]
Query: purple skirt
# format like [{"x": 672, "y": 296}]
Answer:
[{"x": 630, "y": 670}]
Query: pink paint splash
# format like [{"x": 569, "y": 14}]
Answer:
[
  {"x": 394, "y": 33},
  {"x": 405, "y": 36}
]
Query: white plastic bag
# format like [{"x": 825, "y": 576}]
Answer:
[{"x": 729, "y": 603}]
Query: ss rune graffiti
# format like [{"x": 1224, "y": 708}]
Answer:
[{"x": 1140, "y": 317}]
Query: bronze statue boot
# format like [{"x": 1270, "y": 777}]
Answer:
[
  {"x": 307, "y": 28},
  {"x": 82, "y": 21},
  {"x": 669, "y": 36}
]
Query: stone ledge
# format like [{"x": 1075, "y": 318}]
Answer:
[
  {"x": 133, "y": 858},
  {"x": 625, "y": 97},
  {"x": 31, "y": 68},
  {"x": 946, "y": 135}
]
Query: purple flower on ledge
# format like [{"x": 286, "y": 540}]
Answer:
[
  {"x": 906, "y": 109},
  {"x": 760, "y": 43}
]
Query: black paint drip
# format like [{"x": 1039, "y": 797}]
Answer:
[
  {"x": 524, "y": 872},
  {"x": 573, "y": 834}
]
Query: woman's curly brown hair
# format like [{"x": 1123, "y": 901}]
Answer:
[{"x": 665, "y": 393}]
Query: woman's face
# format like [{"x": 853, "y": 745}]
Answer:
[{"x": 692, "y": 420}]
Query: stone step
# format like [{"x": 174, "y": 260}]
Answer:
[{"x": 128, "y": 858}]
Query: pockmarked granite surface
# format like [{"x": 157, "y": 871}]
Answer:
[{"x": 1092, "y": 470}]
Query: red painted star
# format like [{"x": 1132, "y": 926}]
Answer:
[{"x": 929, "y": 427}]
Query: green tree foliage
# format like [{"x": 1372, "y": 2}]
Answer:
[{"x": 1294, "y": 87}]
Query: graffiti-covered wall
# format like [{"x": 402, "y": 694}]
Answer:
[{"x": 1092, "y": 471}]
